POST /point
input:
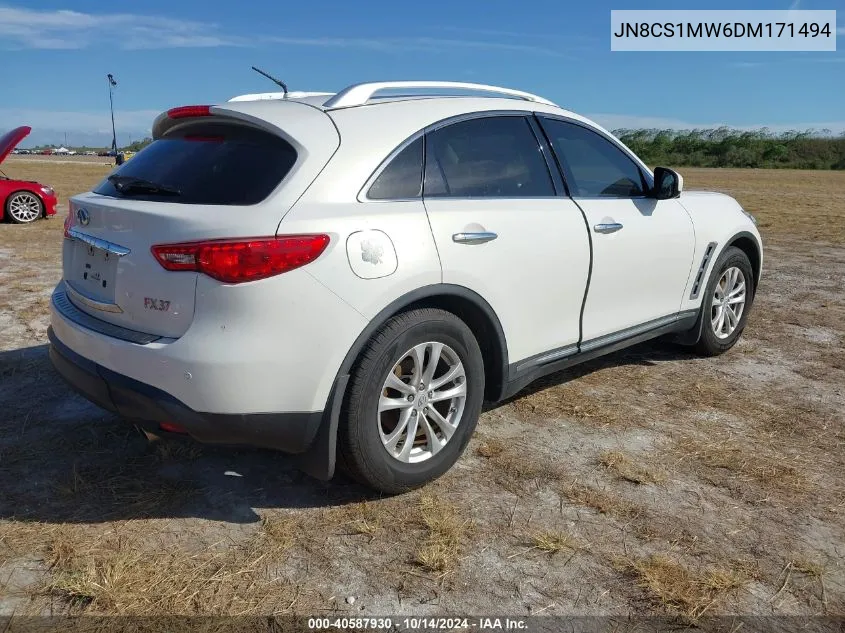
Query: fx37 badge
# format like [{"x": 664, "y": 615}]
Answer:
[{"x": 156, "y": 304}]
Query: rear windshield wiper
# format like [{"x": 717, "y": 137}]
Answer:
[{"x": 129, "y": 184}]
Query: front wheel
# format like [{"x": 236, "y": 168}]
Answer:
[
  {"x": 413, "y": 403},
  {"x": 728, "y": 298},
  {"x": 23, "y": 207}
]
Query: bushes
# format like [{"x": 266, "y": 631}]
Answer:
[{"x": 724, "y": 147}]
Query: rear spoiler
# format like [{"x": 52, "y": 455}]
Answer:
[{"x": 294, "y": 120}]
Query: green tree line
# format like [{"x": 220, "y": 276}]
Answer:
[
  {"x": 137, "y": 146},
  {"x": 725, "y": 147}
]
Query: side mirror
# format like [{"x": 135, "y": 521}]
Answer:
[{"x": 667, "y": 183}]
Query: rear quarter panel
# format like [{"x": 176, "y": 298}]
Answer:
[
  {"x": 332, "y": 205},
  {"x": 408, "y": 235}
]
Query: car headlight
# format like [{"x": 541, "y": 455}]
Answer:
[
  {"x": 47, "y": 191},
  {"x": 749, "y": 216}
]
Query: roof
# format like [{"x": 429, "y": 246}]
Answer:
[{"x": 395, "y": 117}]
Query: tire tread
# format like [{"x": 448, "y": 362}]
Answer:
[{"x": 708, "y": 344}]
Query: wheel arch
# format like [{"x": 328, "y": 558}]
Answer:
[
  {"x": 750, "y": 245},
  {"x": 5, "y": 205},
  {"x": 469, "y": 306}
]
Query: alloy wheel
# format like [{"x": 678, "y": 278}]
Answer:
[
  {"x": 728, "y": 303},
  {"x": 421, "y": 402},
  {"x": 24, "y": 207}
]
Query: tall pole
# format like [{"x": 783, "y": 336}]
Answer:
[{"x": 112, "y": 84}]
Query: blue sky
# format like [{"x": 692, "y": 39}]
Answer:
[{"x": 55, "y": 56}]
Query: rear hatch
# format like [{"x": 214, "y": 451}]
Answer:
[{"x": 231, "y": 173}]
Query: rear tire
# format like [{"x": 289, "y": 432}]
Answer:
[
  {"x": 23, "y": 207},
  {"x": 727, "y": 302},
  {"x": 406, "y": 420}
]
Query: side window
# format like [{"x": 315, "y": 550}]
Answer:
[
  {"x": 402, "y": 178},
  {"x": 593, "y": 166},
  {"x": 489, "y": 157}
]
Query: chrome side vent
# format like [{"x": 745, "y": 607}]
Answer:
[{"x": 699, "y": 277}]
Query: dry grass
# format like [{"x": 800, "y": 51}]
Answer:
[
  {"x": 788, "y": 203},
  {"x": 367, "y": 518},
  {"x": 514, "y": 470},
  {"x": 808, "y": 567},
  {"x": 567, "y": 402},
  {"x": 124, "y": 575},
  {"x": 61, "y": 550},
  {"x": 491, "y": 448},
  {"x": 175, "y": 450},
  {"x": 131, "y": 495},
  {"x": 516, "y": 473},
  {"x": 645, "y": 523},
  {"x": 630, "y": 468},
  {"x": 602, "y": 501},
  {"x": 446, "y": 530},
  {"x": 770, "y": 470},
  {"x": 553, "y": 542},
  {"x": 678, "y": 588},
  {"x": 281, "y": 532}
]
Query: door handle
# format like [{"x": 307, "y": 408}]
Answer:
[
  {"x": 608, "y": 227},
  {"x": 474, "y": 238}
]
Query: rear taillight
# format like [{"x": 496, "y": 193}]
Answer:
[
  {"x": 236, "y": 261},
  {"x": 185, "y": 112},
  {"x": 68, "y": 224}
]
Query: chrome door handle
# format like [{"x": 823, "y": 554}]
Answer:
[
  {"x": 609, "y": 227},
  {"x": 474, "y": 238}
]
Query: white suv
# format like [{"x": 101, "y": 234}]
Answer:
[{"x": 354, "y": 273}]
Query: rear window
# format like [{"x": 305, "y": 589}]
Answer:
[{"x": 208, "y": 163}]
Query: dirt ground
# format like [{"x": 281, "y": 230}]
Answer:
[{"x": 646, "y": 482}]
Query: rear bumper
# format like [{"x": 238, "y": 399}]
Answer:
[{"x": 148, "y": 406}]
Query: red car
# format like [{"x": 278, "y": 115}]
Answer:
[{"x": 22, "y": 201}]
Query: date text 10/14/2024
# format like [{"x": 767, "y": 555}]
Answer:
[{"x": 420, "y": 624}]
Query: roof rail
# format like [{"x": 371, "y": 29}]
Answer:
[
  {"x": 261, "y": 96},
  {"x": 359, "y": 94}
]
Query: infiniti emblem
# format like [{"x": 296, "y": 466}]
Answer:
[{"x": 83, "y": 216}]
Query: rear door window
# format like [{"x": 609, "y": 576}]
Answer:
[
  {"x": 487, "y": 157},
  {"x": 206, "y": 163}
]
